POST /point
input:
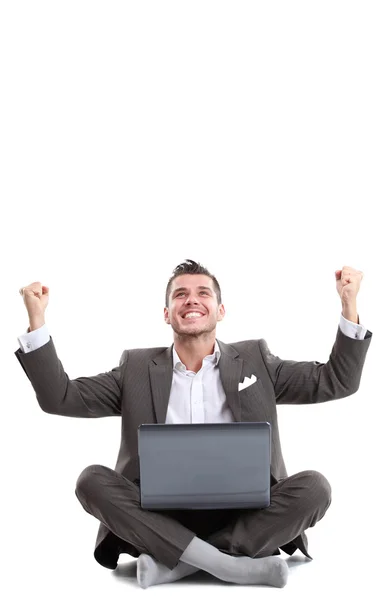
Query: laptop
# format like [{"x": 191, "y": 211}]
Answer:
[{"x": 204, "y": 465}]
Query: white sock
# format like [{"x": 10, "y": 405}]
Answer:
[
  {"x": 270, "y": 570},
  {"x": 150, "y": 572}
]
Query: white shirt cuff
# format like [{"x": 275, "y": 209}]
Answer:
[
  {"x": 353, "y": 330},
  {"x": 33, "y": 340}
]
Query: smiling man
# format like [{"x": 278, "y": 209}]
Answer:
[
  {"x": 157, "y": 385},
  {"x": 193, "y": 308}
]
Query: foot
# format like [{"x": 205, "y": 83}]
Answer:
[
  {"x": 270, "y": 570},
  {"x": 150, "y": 572}
]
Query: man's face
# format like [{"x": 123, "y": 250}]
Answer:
[{"x": 193, "y": 294}]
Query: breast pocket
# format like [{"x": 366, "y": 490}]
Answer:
[
  {"x": 253, "y": 390},
  {"x": 253, "y": 402}
]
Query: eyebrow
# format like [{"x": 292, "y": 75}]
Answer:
[{"x": 199, "y": 287}]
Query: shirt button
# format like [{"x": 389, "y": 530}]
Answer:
[{"x": 28, "y": 345}]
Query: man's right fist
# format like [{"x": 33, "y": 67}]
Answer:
[{"x": 36, "y": 298}]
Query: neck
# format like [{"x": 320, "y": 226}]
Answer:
[{"x": 193, "y": 349}]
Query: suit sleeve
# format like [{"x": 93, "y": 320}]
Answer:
[
  {"x": 311, "y": 382},
  {"x": 88, "y": 397}
]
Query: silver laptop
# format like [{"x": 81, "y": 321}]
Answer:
[{"x": 204, "y": 466}]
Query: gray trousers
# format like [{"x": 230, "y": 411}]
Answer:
[{"x": 296, "y": 503}]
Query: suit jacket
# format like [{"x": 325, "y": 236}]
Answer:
[{"x": 138, "y": 390}]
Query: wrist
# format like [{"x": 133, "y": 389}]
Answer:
[
  {"x": 349, "y": 312},
  {"x": 36, "y": 323}
]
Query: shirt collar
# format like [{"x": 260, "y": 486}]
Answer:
[{"x": 213, "y": 358}]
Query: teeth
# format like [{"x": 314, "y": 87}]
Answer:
[{"x": 193, "y": 314}]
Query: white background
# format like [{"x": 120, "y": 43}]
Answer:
[{"x": 253, "y": 137}]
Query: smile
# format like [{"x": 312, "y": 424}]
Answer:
[{"x": 193, "y": 315}]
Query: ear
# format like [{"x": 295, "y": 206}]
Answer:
[
  {"x": 166, "y": 317},
  {"x": 221, "y": 313}
]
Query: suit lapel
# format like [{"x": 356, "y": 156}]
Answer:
[
  {"x": 230, "y": 366},
  {"x": 160, "y": 374}
]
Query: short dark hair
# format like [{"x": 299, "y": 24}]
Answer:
[{"x": 192, "y": 268}]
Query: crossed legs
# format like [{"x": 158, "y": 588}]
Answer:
[{"x": 171, "y": 539}]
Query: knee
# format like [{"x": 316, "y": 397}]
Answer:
[
  {"x": 87, "y": 482},
  {"x": 318, "y": 488}
]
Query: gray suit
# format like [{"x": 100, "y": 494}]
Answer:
[{"x": 138, "y": 390}]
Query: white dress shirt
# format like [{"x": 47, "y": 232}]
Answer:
[
  {"x": 203, "y": 391},
  {"x": 194, "y": 397}
]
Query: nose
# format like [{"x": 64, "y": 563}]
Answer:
[{"x": 192, "y": 299}]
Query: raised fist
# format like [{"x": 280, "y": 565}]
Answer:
[{"x": 35, "y": 298}]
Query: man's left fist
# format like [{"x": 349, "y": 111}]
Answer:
[{"x": 348, "y": 284}]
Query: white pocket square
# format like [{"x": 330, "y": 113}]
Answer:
[{"x": 247, "y": 382}]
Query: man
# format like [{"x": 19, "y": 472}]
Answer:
[{"x": 194, "y": 380}]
